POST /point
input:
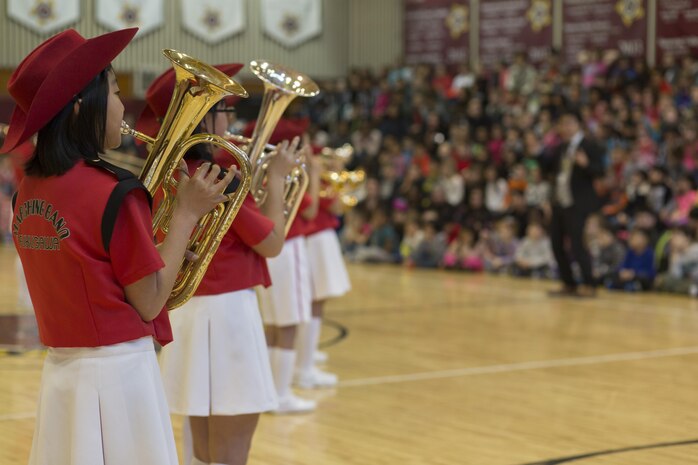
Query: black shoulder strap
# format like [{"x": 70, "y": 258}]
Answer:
[
  {"x": 126, "y": 183},
  {"x": 111, "y": 211}
]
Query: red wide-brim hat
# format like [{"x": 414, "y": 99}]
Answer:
[
  {"x": 53, "y": 74},
  {"x": 286, "y": 129},
  {"x": 159, "y": 94}
]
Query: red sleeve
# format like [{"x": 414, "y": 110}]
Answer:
[
  {"x": 250, "y": 224},
  {"x": 132, "y": 251},
  {"x": 305, "y": 203},
  {"x": 326, "y": 203}
]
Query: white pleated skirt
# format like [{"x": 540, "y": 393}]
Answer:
[
  {"x": 218, "y": 363},
  {"x": 328, "y": 273},
  {"x": 103, "y": 406},
  {"x": 288, "y": 301},
  {"x": 24, "y": 301}
]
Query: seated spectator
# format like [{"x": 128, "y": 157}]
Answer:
[
  {"x": 534, "y": 255},
  {"x": 637, "y": 192},
  {"x": 464, "y": 80},
  {"x": 677, "y": 211},
  {"x": 499, "y": 247},
  {"x": 637, "y": 272},
  {"x": 382, "y": 244},
  {"x": 538, "y": 190},
  {"x": 462, "y": 254},
  {"x": 355, "y": 232},
  {"x": 520, "y": 76},
  {"x": 682, "y": 275},
  {"x": 647, "y": 221},
  {"x": 475, "y": 216},
  {"x": 693, "y": 221},
  {"x": 430, "y": 249},
  {"x": 518, "y": 179},
  {"x": 660, "y": 193},
  {"x": 451, "y": 182},
  {"x": 607, "y": 254},
  {"x": 519, "y": 211},
  {"x": 410, "y": 241},
  {"x": 496, "y": 191}
]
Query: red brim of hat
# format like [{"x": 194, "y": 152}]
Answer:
[{"x": 66, "y": 80}]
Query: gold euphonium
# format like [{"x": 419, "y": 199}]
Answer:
[
  {"x": 339, "y": 182},
  {"x": 281, "y": 86},
  {"x": 198, "y": 88}
]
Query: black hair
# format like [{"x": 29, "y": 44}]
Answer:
[
  {"x": 203, "y": 151},
  {"x": 199, "y": 151},
  {"x": 70, "y": 137},
  {"x": 572, "y": 113},
  {"x": 643, "y": 231},
  {"x": 691, "y": 180},
  {"x": 685, "y": 230}
]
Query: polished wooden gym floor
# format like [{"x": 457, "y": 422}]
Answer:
[{"x": 444, "y": 368}]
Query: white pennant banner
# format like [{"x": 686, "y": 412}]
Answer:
[
  {"x": 292, "y": 22},
  {"x": 44, "y": 16},
  {"x": 213, "y": 20},
  {"x": 147, "y": 15}
]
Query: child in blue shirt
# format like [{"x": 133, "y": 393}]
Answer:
[{"x": 637, "y": 271}]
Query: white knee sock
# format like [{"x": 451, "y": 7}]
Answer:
[
  {"x": 187, "y": 443},
  {"x": 272, "y": 354},
  {"x": 306, "y": 344},
  {"x": 283, "y": 361},
  {"x": 195, "y": 461}
]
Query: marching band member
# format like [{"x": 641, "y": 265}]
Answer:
[
  {"x": 287, "y": 303},
  {"x": 329, "y": 279},
  {"x": 19, "y": 156},
  {"x": 217, "y": 372},
  {"x": 83, "y": 231}
]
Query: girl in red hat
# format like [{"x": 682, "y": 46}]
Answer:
[
  {"x": 287, "y": 303},
  {"x": 329, "y": 279},
  {"x": 83, "y": 231},
  {"x": 217, "y": 371}
]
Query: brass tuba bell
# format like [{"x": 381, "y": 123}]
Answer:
[
  {"x": 198, "y": 88},
  {"x": 281, "y": 86},
  {"x": 339, "y": 182}
]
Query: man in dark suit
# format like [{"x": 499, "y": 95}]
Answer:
[{"x": 575, "y": 166}]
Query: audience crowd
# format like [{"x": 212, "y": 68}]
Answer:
[{"x": 456, "y": 165}]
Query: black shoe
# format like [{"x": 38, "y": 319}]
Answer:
[
  {"x": 565, "y": 291},
  {"x": 586, "y": 292}
]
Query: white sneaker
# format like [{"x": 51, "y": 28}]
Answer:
[
  {"x": 315, "y": 378},
  {"x": 320, "y": 357},
  {"x": 292, "y": 404}
]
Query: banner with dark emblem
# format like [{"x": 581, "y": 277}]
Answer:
[
  {"x": 213, "y": 20},
  {"x": 511, "y": 26},
  {"x": 44, "y": 16},
  {"x": 147, "y": 15},
  {"x": 437, "y": 31},
  {"x": 604, "y": 24},
  {"x": 292, "y": 23},
  {"x": 677, "y": 28}
]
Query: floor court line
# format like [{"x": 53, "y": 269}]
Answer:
[
  {"x": 485, "y": 370},
  {"x": 521, "y": 366},
  {"x": 17, "y": 416}
]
